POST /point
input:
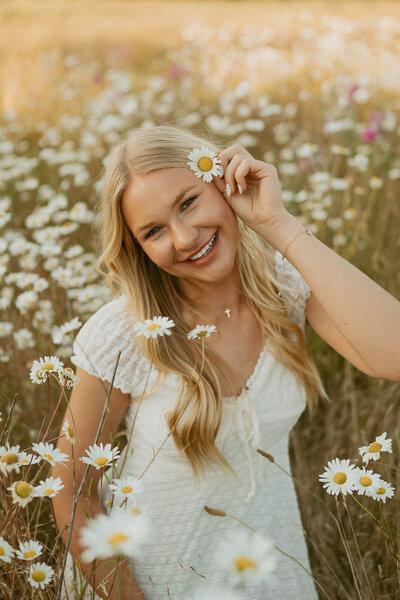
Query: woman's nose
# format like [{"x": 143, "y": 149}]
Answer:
[{"x": 184, "y": 236}]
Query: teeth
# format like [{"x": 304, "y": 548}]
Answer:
[{"x": 205, "y": 250}]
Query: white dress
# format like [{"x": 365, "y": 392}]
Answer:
[{"x": 185, "y": 537}]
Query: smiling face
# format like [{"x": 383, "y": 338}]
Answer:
[{"x": 174, "y": 215}]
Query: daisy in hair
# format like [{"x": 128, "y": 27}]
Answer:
[
  {"x": 373, "y": 451},
  {"x": 364, "y": 480},
  {"x": 49, "y": 487},
  {"x": 10, "y": 458},
  {"x": 201, "y": 331},
  {"x": 100, "y": 456},
  {"x": 246, "y": 557},
  {"x": 42, "y": 368},
  {"x": 29, "y": 550},
  {"x": 120, "y": 532},
  {"x": 6, "y": 551},
  {"x": 385, "y": 490},
  {"x": 47, "y": 452},
  {"x": 204, "y": 163},
  {"x": 22, "y": 492},
  {"x": 40, "y": 575},
  {"x": 126, "y": 489},
  {"x": 337, "y": 477},
  {"x": 152, "y": 328}
]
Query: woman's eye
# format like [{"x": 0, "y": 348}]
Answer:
[
  {"x": 188, "y": 202},
  {"x": 151, "y": 232}
]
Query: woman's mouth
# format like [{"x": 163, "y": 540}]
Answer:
[{"x": 205, "y": 251}]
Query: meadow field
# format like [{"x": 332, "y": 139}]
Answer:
[{"x": 312, "y": 87}]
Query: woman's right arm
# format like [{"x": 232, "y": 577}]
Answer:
[{"x": 84, "y": 413}]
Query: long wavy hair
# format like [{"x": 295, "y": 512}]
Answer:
[{"x": 196, "y": 414}]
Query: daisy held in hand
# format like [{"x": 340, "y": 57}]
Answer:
[{"x": 204, "y": 163}]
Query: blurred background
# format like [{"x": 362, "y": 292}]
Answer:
[{"x": 311, "y": 86}]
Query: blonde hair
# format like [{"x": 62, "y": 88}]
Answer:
[{"x": 196, "y": 415}]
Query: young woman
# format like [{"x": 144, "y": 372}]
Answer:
[{"x": 183, "y": 243}]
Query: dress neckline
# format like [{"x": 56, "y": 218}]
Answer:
[{"x": 251, "y": 379}]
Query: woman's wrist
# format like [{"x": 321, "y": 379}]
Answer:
[{"x": 281, "y": 231}]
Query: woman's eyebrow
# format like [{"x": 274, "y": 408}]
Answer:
[{"x": 177, "y": 199}]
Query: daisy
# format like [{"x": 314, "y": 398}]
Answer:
[
  {"x": 28, "y": 459},
  {"x": 100, "y": 456},
  {"x": 22, "y": 492},
  {"x": 385, "y": 490},
  {"x": 42, "y": 368},
  {"x": 67, "y": 377},
  {"x": 69, "y": 432},
  {"x": 126, "y": 489},
  {"x": 337, "y": 477},
  {"x": 6, "y": 551},
  {"x": 373, "y": 451},
  {"x": 40, "y": 575},
  {"x": 154, "y": 327},
  {"x": 10, "y": 457},
  {"x": 120, "y": 532},
  {"x": 204, "y": 163},
  {"x": 201, "y": 331},
  {"x": 246, "y": 557},
  {"x": 49, "y": 453},
  {"x": 364, "y": 480},
  {"x": 29, "y": 550},
  {"x": 50, "y": 487}
]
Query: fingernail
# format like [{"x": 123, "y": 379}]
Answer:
[
  {"x": 240, "y": 189},
  {"x": 228, "y": 190},
  {"x": 221, "y": 170}
]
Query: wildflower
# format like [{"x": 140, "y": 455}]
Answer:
[
  {"x": 385, "y": 490},
  {"x": 6, "y": 551},
  {"x": 40, "y": 574},
  {"x": 338, "y": 477},
  {"x": 49, "y": 453},
  {"x": 364, "y": 480},
  {"x": 22, "y": 492},
  {"x": 373, "y": 451},
  {"x": 126, "y": 489},
  {"x": 29, "y": 550},
  {"x": 154, "y": 327},
  {"x": 201, "y": 331},
  {"x": 28, "y": 459},
  {"x": 100, "y": 456},
  {"x": 65, "y": 329},
  {"x": 375, "y": 183},
  {"x": 118, "y": 533},
  {"x": 69, "y": 432},
  {"x": 67, "y": 377},
  {"x": 204, "y": 163},
  {"x": 339, "y": 184},
  {"x": 5, "y": 328},
  {"x": 9, "y": 459},
  {"x": 42, "y": 368},
  {"x": 50, "y": 487},
  {"x": 246, "y": 557}
]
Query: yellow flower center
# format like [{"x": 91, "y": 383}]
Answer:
[
  {"x": 47, "y": 366},
  {"x": 101, "y": 461},
  {"x": 135, "y": 511},
  {"x": 71, "y": 433},
  {"x": 68, "y": 369},
  {"x": 365, "y": 481},
  {"x": 48, "y": 492},
  {"x": 117, "y": 538},
  {"x": 10, "y": 458},
  {"x": 375, "y": 447},
  {"x": 126, "y": 490},
  {"x": 22, "y": 489},
  {"x": 153, "y": 326},
  {"x": 205, "y": 163},
  {"x": 38, "y": 576},
  {"x": 244, "y": 562},
  {"x": 2, "y": 551},
  {"x": 30, "y": 554},
  {"x": 339, "y": 478},
  {"x": 49, "y": 456},
  {"x": 381, "y": 490},
  {"x": 202, "y": 333},
  {"x": 40, "y": 375}
]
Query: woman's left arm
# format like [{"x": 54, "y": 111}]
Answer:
[{"x": 352, "y": 313}]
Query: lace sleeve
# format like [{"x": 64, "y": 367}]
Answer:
[
  {"x": 98, "y": 342},
  {"x": 295, "y": 290}
]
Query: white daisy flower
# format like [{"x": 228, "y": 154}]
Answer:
[
  {"x": 10, "y": 457},
  {"x": 28, "y": 459},
  {"x": 385, "y": 490},
  {"x": 201, "y": 331},
  {"x": 69, "y": 432},
  {"x": 364, "y": 480},
  {"x": 245, "y": 556},
  {"x": 49, "y": 453},
  {"x": 204, "y": 163},
  {"x": 29, "y": 550},
  {"x": 40, "y": 575},
  {"x": 154, "y": 327},
  {"x": 67, "y": 377},
  {"x": 42, "y": 368},
  {"x": 22, "y": 492},
  {"x": 6, "y": 551},
  {"x": 373, "y": 451},
  {"x": 337, "y": 477},
  {"x": 100, "y": 456},
  {"x": 126, "y": 489},
  {"x": 49, "y": 487},
  {"x": 120, "y": 532},
  {"x": 59, "y": 332}
]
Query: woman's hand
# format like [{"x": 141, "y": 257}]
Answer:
[{"x": 260, "y": 203}]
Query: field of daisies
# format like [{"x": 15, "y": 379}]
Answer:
[{"x": 317, "y": 94}]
